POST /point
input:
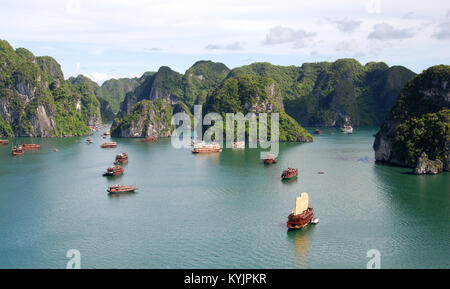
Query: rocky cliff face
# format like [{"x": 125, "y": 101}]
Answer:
[
  {"x": 419, "y": 123},
  {"x": 146, "y": 119},
  {"x": 250, "y": 93},
  {"x": 35, "y": 100},
  {"x": 328, "y": 94}
]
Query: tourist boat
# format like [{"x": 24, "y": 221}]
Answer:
[
  {"x": 347, "y": 129},
  {"x": 107, "y": 133},
  {"x": 117, "y": 189},
  {"x": 270, "y": 160},
  {"x": 302, "y": 215},
  {"x": 4, "y": 141},
  {"x": 238, "y": 145},
  {"x": 121, "y": 159},
  {"x": 206, "y": 148},
  {"x": 149, "y": 139},
  {"x": 18, "y": 151},
  {"x": 31, "y": 146},
  {"x": 289, "y": 173},
  {"x": 114, "y": 171},
  {"x": 318, "y": 132},
  {"x": 110, "y": 144},
  {"x": 89, "y": 140}
]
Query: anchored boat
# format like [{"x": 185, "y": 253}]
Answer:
[
  {"x": 150, "y": 139},
  {"x": 318, "y": 132},
  {"x": 4, "y": 141},
  {"x": 347, "y": 129},
  {"x": 114, "y": 171},
  {"x": 110, "y": 144},
  {"x": 270, "y": 160},
  {"x": 121, "y": 159},
  {"x": 117, "y": 189},
  {"x": 289, "y": 173},
  {"x": 238, "y": 145},
  {"x": 302, "y": 215},
  {"x": 31, "y": 146},
  {"x": 206, "y": 148},
  {"x": 17, "y": 151}
]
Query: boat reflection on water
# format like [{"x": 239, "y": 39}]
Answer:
[{"x": 301, "y": 241}]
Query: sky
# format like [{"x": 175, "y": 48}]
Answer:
[{"x": 106, "y": 39}]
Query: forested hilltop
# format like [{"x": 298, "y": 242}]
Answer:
[
  {"x": 416, "y": 133},
  {"x": 36, "y": 100}
]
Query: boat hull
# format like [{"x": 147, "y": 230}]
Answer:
[
  {"x": 270, "y": 161},
  {"x": 296, "y": 222},
  {"x": 31, "y": 146}
]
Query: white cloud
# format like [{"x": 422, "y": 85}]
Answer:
[
  {"x": 346, "y": 25},
  {"x": 384, "y": 31},
  {"x": 101, "y": 77},
  {"x": 443, "y": 29},
  {"x": 235, "y": 46},
  {"x": 280, "y": 34}
]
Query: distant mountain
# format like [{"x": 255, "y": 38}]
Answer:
[
  {"x": 105, "y": 107},
  {"x": 35, "y": 100},
  {"x": 416, "y": 132},
  {"x": 251, "y": 93},
  {"x": 115, "y": 90},
  {"x": 190, "y": 88},
  {"x": 328, "y": 94}
]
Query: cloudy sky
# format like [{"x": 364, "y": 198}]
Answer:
[{"x": 116, "y": 38}]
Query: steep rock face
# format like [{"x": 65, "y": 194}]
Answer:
[
  {"x": 146, "y": 119},
  {"x": 250, "y": 93},
  {"x": 328, "y": 94},
  {"x": 425, "y": 166},
  {"x": 419, "y": 122},
  {"x": 35, "y": 100},
  {"x": 190, "y": 88}
]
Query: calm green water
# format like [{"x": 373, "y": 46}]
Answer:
[{"x": 225, "y": 210}]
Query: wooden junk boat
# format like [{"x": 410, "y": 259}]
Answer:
[
  {"x": 121, "y": 159},
  {"x": 289, "y": 173},
  {"x": 206, "y": 148},
  {"x": 4, "y": 141},
  {"x": 17, "y": 151},
  {"x": 117, "y": 189},
  {"x": 113, "y": 172},
  {"x": 31, "y": 146},
  {"x": 270, "y": 160},
  {"x": 110, "y": 144},
  {"x": 149, "y": 139},
  {"x": 302, "y": 215}
]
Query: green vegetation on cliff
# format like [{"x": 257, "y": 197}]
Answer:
[
  {"x": 325, "y": 94},
  {"x": 419, "y": 122},
  {"x": 35, "y": 100},
  {"x": 250, "y": 93}
]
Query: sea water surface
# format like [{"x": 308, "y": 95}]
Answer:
[{"x": 223, "y": 210}]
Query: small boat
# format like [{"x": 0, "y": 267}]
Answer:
[
  {"x": 31, "y": 146},
  {"x": 121, "y": 159},
  {"x": 238, "y": 145},
  {"x": 55, "y": 150},
  {"x": 315, "y": 221},
  {"x": 4, "y": 141},
  {"x": 270, "y": 160},
  {"x": 318, "y": 132},
  {"x": 289, "y": 173},
  {"x": 117, "y": 189},
  {"x": 321, "y": 173},
  {"x": 17, "y": 151},
  {"x": 149, "y": 139},
  {"x": 110, "y": 144},
  {"x": 114, "y": 171},
  {"x": 206, "y": 148},
  {"x": 302, "y": 215},
  {"x": 89, "y": 140},
  {"x": 106, "y": 133},
  {"x": 347, "y": 129}
]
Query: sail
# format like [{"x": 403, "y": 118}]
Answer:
[{"x": 301, "y": 204}]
